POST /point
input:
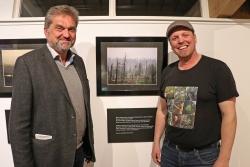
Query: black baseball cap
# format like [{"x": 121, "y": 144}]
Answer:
[{"x": 179, "y": 23}]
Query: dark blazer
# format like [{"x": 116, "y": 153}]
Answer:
[{"x": 41, "y": 105}]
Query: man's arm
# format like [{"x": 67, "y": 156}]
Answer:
[
  {"x": 160, "y": 123},
  {"x": 228, "y": 130},
  {"x": 20, "y": 116}
]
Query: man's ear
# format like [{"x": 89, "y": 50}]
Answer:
[
  {"x": 195, "y": 38},
  {"x": 45, "y": 30}
]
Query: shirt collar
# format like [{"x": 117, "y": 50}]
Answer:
[{"x": 55, "y": 56}]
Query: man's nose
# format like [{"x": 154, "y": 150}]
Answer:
[
  {"x": 180, "y": 39},
  {"x": 66, "y": 33}
]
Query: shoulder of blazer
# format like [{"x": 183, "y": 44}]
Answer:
[
  {"x": 36, "y": 54},
  {"x": 77, "y": 57}
]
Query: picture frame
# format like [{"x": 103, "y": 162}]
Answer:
[
  {"x": 130, "y": 65},
  {"x": 10, "y": 50},
  {"x": 7, "y": 117}
]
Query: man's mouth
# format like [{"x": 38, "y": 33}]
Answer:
[
  {"x": 65, "y": 42},
  {"x": 183, "y": 47}
]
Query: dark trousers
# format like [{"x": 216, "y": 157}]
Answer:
[
  {"x": 173, "y": 156},
  {"x": 79, "y": 157}
]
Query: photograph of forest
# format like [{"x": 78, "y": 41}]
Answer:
[
  {"x": 8, "y": 61},
  {"x": 10, "y": 50},
  {"x": 131, "y": 66}
]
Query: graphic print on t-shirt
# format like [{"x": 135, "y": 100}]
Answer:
[{"x": 181, "y": 105}]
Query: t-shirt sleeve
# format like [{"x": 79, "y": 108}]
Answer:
[
  {"x": 162, "y": 93},
  {"x": 225, "y": 83},
  {"x": 163, "y": 79}
]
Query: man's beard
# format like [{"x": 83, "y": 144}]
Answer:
[{"x": 61, "y": 47}]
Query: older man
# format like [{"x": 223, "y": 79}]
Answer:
[{"x": 50, "y": 120}]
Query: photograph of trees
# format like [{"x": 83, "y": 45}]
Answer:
[
  {"x": 9, "y": 58},
  {"x": 10, "y": 50},
  {"x": 131, "y": 66}
]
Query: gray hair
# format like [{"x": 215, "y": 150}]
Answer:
[{"x": 60, "y": 10}]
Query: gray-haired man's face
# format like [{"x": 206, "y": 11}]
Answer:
[{"x": 61, "y": 34}]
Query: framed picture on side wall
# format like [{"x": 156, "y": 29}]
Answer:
[
  {"x": 10, "y": 50},
  {"x": 130, "y": 65},
  {"x": 7, "y": 116}
]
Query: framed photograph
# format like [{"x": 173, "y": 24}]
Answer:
[
  {"x": 10, "y": 50},
  {"x": 131, "y": 124},
  {"x": 130, "y": 65},
  {"x": 7, "y": 115}
]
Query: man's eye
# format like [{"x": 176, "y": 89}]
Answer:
[
  {"x": 186, "y": 35},
  {"x": 59, "y": 28},
  {"x": 72, "y": 30},
  {"x": 173, "y": 38}
]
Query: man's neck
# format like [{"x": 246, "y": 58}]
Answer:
[
  {"x": 63, "y": 57},
  {"x": 185, "y": 64}
]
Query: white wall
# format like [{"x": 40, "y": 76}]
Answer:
[
  {"x": 226, "y": 40},
  {"x": 6, "y": 7}
]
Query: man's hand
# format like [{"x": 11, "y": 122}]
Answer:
[
  {"x": 221, "y": 163},
  {"x": 156, "y": 154}
]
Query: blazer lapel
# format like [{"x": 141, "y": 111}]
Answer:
[
  {"x": 55, "y": 73},
  {"x": 82, "y": 75}
]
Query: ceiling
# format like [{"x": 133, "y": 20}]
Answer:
[
  {"x": 243, "y": 11},
  {"x": 186, "y": 8},
  {"x": 38, "y": 8},
  {"x": 157, "y": 7}
]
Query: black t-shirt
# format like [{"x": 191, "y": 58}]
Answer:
[{"x": 194, "y": 117}]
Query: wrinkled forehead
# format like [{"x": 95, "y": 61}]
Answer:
[
  {"x": 63, "y": 19},
  {"x": 179, "y": 28}
]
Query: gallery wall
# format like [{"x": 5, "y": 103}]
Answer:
[
  {"x": 227, "y": 40},
  {"x": 6, "y": 9}
]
